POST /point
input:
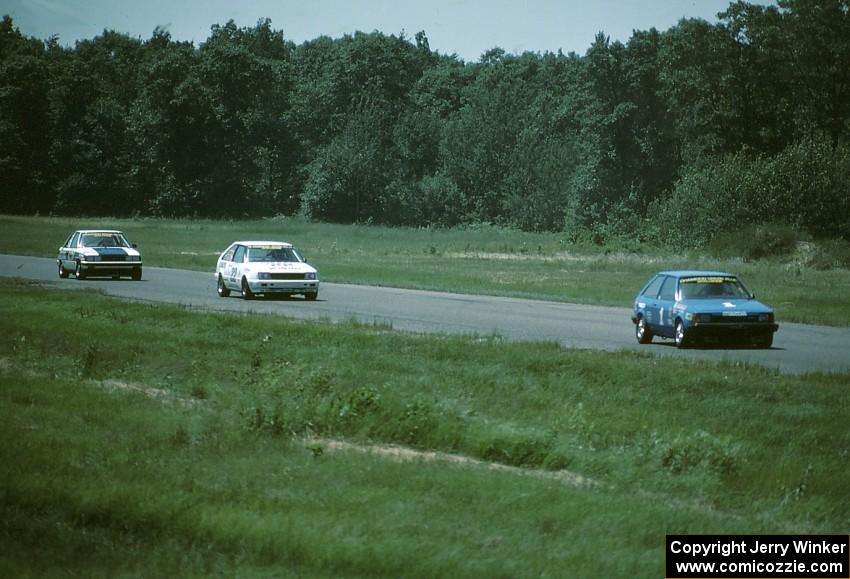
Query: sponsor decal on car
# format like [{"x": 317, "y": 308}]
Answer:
[{"x": 707, "y": 279}]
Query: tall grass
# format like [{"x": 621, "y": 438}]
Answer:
[{"x": 143, "y": 439}]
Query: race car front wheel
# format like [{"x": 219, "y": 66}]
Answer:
[
  {"x": 247, "y": 294},
  {"x": 679, "y": 336}
]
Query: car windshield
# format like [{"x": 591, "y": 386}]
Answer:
[
  {"x": 103, "y": 239},
  {"x": 272, "y": 254},
  {"x": 712, "y": 287}
]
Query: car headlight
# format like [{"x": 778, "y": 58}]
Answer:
[
  {"x": 134, "y": 258},
  {"x": 93, "y": 258},
  {"x": 765, "y": 317},
  {"x": 310, "y": 275},
  {"x": 264, "y": 275}
]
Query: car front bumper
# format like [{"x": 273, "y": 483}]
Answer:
[
  {"x": 731, "y": 330},
  {"x": 94, "y": 268},
  {"x": 270, "y": 286}
]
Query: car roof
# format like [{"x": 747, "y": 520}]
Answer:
[
  {"x": 261, "y": 243},
  {"x": 98, "y": 231},
  {"x": 696, "y": 273}
]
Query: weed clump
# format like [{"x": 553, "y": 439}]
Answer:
[
  {"x": 516, "y": 448},
  {"x": 699, "y": 450}
]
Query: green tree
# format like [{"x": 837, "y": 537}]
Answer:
[
  {"x": 798, "y": 64},
  {"x": 24, "y": 123},
  {"x": 350, "y": 98},
  {"x": 346, "y": 180},
  {"x": 92, "y": 88}
]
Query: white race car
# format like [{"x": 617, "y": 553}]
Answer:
[
  {"x": 99, "y": 252},
  {"x": 265, "y": 267}
]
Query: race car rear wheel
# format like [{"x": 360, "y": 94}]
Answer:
[
  {"x": 642, "y": 333},
  {"x": 221, "y": 288}
]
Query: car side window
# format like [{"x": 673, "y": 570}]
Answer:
[
  {"x": 228, "y": 255},
  {"x": 652, "y": 288},
  {"x": 74, "y": 239},
  {"x": 668, "y": 290},
  {"x": 239, "y": 256}
]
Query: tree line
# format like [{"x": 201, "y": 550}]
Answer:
[{"x": 674, "y": 135}]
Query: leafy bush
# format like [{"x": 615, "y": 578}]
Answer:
[
  {"x": 435, "y": 200},
  {"x": 756, "y": 242},
  {"x": 830, "y": 254},
  {"x": 806, "y": 187}
]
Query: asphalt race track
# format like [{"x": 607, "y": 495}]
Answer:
[{"x": 796, "y": 348}]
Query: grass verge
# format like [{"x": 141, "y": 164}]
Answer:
[{"x": 144, "y": 439}]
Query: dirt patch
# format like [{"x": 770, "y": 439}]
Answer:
[
  {"x": 562, "y": 257},
  {"x": 149, "y": 391},
  {"x": 406, "y": 454}
]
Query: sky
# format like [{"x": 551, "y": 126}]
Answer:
[{"x": 467, "y": 28}]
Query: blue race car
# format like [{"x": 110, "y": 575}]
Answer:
[{"x": 708, "y": 306}]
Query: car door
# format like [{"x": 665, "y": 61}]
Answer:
[
  {"x": 235, "y": 272},
  {"x": 665, "y": 301},
  {"x": 648, "y": 302},
  {"x": 225, "y": 264},
  {"x": 68, "y": 252}
]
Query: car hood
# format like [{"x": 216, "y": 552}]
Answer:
[
  {"x": 720, "y": 306},
  {"x": 289, "y": 266},
  {"x": 106, "y": 252}
]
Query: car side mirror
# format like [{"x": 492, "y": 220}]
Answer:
[
  {"x": 135, "y": 246},
  {"x": 752, "y": 296}
]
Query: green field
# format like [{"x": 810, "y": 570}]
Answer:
[
  {"x": 160, "y": 441},
  {"x": 482, "y": 260}
]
